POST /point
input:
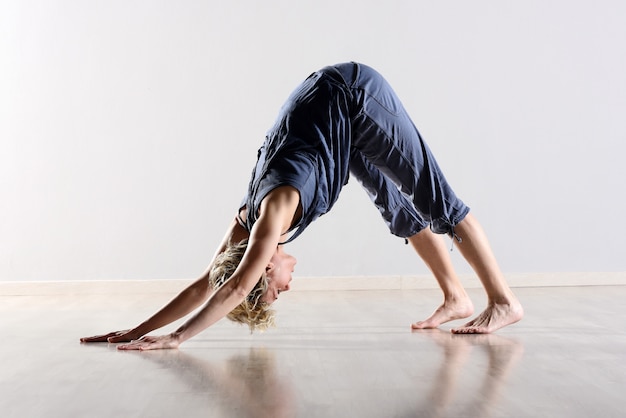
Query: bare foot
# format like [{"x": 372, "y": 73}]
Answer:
[
  {"x": 448, "y": 311},
  {"x": 494, "y": 317}
]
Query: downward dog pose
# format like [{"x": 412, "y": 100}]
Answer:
[{"x": 344, "y": 119}]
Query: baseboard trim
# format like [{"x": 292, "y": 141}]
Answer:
[{"x": 14, "y": 288}]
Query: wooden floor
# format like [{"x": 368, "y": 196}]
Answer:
[{"x": 334, "y": 354}]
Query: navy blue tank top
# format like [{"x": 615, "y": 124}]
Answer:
[{"x": 308, "y": 148}]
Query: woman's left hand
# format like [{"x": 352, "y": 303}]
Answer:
[{"x": 152, "y": 343}]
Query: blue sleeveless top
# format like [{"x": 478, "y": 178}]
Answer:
[{"x": 308, "y": 148}]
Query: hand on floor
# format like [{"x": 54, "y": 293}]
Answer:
[
  {"x": 112, "y": 337},
  {"x": 152, "y": 343}
]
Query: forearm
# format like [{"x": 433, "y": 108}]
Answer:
[
  {"x": 224, "y": 300},
  {"x": 195, "y": 294},
  {"x": 184, "y": 303},
  {"x": 262, "y": 245}
]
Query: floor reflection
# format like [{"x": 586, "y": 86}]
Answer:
[
  {"x": 246, "y": 385},
  {"x": 502, "y": 355},
  {"x": 468, "y": 378}
]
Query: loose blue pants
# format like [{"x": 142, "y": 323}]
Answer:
[{"x": 392, "y": 162}]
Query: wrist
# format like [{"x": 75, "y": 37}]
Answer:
[{"x": 178, "y": 336}]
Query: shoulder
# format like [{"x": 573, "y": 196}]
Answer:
[
  {"x": 282, "y": 202},
  {"x": 282, "y": 197}
]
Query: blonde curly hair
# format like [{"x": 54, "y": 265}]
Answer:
[{"x": 252, "y": 311}]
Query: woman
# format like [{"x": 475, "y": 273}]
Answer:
[{"x": 342, "y": 119}]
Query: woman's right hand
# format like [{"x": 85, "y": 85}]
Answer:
[{"x": 113, "y": 337}]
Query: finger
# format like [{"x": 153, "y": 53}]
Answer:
[
  {"x": 131, "y": 346},
  {"x": 157, "y": 345},
  {"x": 93, "y": 339},
  {"x": 120, "y": 338},
  {"x": 97, "y": 338},
  {"x": 150, "y": 346},
  {"x": 137, "y": 344}
]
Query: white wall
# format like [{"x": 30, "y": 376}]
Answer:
[{"x": 128, "y": 129}]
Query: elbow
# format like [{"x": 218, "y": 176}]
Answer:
[
  {"x": 202, "y": 293},
  {"x": 241, "y": 292},
  {"x": 239, "y": 287},
  {"x": 200, "y": 290}
]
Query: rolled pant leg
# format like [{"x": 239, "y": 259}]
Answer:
[{"x": 398, "y": 212}]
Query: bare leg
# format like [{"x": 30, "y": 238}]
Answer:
[
  {"x": 456, "y": 303},
  {"x": 503, "y": 308}
]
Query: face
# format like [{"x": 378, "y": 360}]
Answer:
[{"x": 278, "y": 273}]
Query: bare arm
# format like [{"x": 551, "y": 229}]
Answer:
[
  {"x": 277, "y": 213},
  {"x": 185, "y": 302}
]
